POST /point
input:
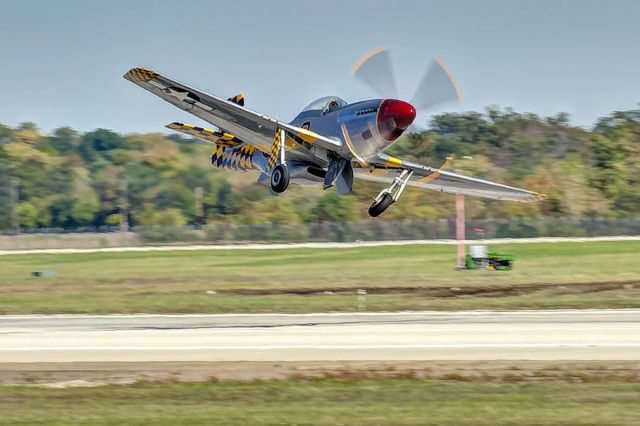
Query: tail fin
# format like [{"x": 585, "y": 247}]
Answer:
[{"x": 237, "y": 99}]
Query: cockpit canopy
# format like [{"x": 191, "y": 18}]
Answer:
[{"x": 325, "y": 104}]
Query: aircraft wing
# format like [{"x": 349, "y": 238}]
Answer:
[
  {"x": 249, "y": 126},
  {"x": 386, "y": 168}
]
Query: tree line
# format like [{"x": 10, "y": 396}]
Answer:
[{"x": 68, "y": 179}]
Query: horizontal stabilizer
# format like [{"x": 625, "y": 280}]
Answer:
[{"x": 208, "y": 135}]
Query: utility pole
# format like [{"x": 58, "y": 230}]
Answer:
[
  {"x": 460, "y": 234},
  {"x": 460, "y": 225},
  {"x": 15, "y": 199},
  {"x": 124, "y": 217}
]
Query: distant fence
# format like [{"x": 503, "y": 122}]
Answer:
[
  {"x": 223, "y": 233},
  {"x": 397, "y": 230}
]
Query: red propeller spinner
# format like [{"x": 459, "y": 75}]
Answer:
[{"x": 394, "y": 117}]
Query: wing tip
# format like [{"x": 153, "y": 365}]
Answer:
[
  {"x": 536, "y": 196},
  {"x": 175, "y": 125},
  {"x": 140, "y": 74},
  {"x": 540, "y": 196}
]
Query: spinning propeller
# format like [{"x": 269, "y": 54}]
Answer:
[{"x": 437, "y": 86}]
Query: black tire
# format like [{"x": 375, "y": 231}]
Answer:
[
  {"x": 280, "y": 179},
  {"x": 377, "y": 208}
]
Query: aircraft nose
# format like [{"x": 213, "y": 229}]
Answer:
[{"x": 394, "y": 117}]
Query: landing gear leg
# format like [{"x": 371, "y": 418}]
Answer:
[
  {"x": 390, "y": 195},
  {"x": 280, "y": 176}
]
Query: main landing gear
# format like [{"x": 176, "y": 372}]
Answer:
[
  {"x": 280, "y": 176},
  {"x": 390, "y": 195}
]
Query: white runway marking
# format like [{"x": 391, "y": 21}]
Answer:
[
  {"x": 318, "y": 347},
  {"x": 267, "y": 246},
  {"x": 213, "y": 317}
]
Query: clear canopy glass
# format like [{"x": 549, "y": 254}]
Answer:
[{"x": 324, "y": 102}]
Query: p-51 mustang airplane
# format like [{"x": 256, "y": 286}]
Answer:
[{"x": 329, "y": 142}]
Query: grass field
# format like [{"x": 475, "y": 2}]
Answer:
[
  {"x": 326, "y": 402},
  {"x": 549, "y": 275}
]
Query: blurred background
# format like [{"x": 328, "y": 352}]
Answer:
[
  {"x": 161, "y": 186},
  {"x": 550, "y": 104}
]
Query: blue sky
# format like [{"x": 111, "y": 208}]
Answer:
[{"x": 62, "y": 61}]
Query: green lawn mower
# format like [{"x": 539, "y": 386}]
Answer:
[{"x": 480, "y": 258}]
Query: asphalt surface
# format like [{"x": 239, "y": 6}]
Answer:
[{"x": 470, "y": 335}]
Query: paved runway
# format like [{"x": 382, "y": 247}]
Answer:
[{"x": 470, "y": 335}]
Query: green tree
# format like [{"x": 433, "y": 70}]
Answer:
[
  {"x": 334, "y": 207},
  {"x": 84, "y": 208},
  {"x": 165, "y": 217},
  {"x": 275, "y": 210},
  {"x": 609, "y": 175},
  {"x": 28, "y": 214},
  {"x": 100, "y": 145},
  {"x": 65, "y": 140}
]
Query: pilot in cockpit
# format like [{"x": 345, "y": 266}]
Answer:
[{"x": 331, "y": 105}]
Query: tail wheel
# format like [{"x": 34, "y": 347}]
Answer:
[
  {"x": 378, "y": 207},
  {"x": 280, "y": 179}
]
